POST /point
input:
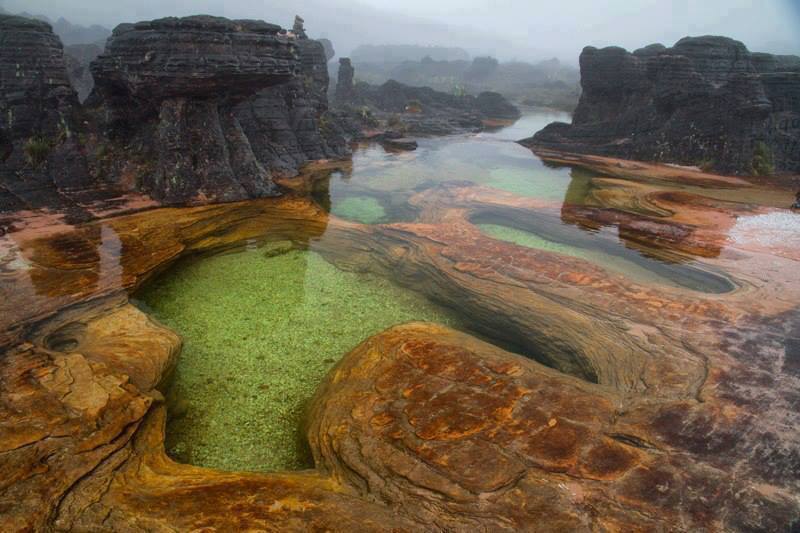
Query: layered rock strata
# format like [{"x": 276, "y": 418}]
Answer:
[
  {"x": 40, "y": 152},
  {"x": 289, "y": 124},
  {"x": 171, "y": 86},
  {"x": 706, "y": 101}
]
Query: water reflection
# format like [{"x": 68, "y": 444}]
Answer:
[{"x": 378, "y": 185}]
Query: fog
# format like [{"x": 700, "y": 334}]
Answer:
[{"x": 507, "y": 29}]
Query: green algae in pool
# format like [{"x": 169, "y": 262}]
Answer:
[{"x": 260, "y": 333}]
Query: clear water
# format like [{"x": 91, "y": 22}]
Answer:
[
  {"x": 260, "y": 331},
  {"x": 262, "y": 327}
]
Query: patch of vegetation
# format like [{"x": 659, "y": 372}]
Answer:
[
  {"x": 762, "y": 163},
  {"x": 37, "y": 150},
  {"x": 366, "y": 116}
]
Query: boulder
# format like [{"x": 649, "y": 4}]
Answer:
[
  {"x": 706, "y": 101},
  {"x": 494, "y": 105}
]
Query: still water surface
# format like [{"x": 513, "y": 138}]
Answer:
[{"x": 261, "y": 327}]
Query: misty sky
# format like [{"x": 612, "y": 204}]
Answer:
[{"x": 508, "y": 29}]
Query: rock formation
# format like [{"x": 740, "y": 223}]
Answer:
[
  {"x": 416, "y": 110},
  {"x": 679, "y": 411},
  {"x": 706, "y": 101},
  {"x": 288, "y": 125},
  {"x": 171, "y": 86},
  {"x": 186, "y": 110},
  {"x": 40, "y": 152},
  {"x": 494, "y": 105},
  {"x": 344, "y": 81}
]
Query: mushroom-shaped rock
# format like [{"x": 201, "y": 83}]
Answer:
[{"x": 171, "y": 86}]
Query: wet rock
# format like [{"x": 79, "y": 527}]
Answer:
[
  {"x": 693, "y": 419},
  {"x": 400, "y": 143},
  {"x": 706, "y": 101}
]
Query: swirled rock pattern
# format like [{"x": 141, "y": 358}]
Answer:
[
  {"x": 678, "y": 412},
  {"x": 705, "y": 101}
]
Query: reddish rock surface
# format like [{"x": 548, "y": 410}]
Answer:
[{"x": 657, "y": 408}]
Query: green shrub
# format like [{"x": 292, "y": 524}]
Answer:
[
  {"x": 37, "y": 149},
  {"x": 762, "y": 163}
]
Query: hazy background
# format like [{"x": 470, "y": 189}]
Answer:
[{"x": 527, "y": 30}]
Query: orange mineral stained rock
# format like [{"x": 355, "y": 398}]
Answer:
[{"x": 657, "y": 408}]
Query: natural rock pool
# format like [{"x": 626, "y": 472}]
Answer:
[
  {"x": 260, "y": 332},
  {"x": 625, "y": 336},
  {"x": 263, "y": 324}
]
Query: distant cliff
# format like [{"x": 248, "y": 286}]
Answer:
[{"x": 706, "y": 101}]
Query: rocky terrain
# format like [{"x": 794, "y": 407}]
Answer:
[
  {"x": 159, "y": 120},
  {"x": 678, "y": 412},
  {"x": 545, "y": 84},
  {"x": 707, "y": 101},
  {"x": 40, "y": 150},
  {"x": 403, "y": 109}
]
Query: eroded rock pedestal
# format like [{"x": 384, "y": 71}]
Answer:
[{"x": 171, "y": 85}]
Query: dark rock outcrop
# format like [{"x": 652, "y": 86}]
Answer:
[
  {"x": 417, "y": 110},
  {"x": 706, "y": 101},
  {"x": 40, "y": 152},
  {"x": 171, "y": 86},
  {"x": 494, "y": 105},
  {"x": 344, "y": 82},
  {"x": 186, "y": 110},
  {"x": 289, "y": 125}
]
